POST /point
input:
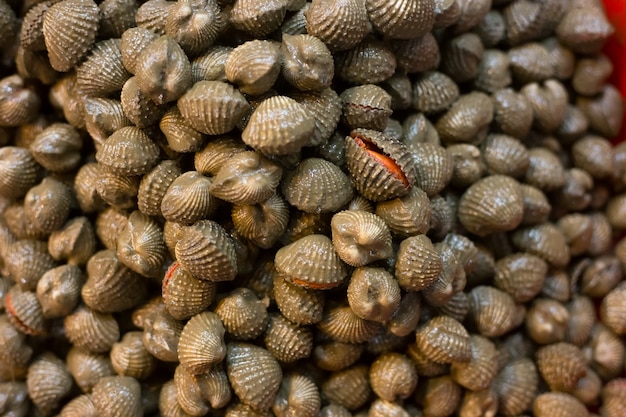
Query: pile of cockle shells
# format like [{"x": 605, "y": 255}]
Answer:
[{"x": 331, "y": 208}]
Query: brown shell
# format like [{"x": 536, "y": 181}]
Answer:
[
  {"x": 153, "y": 14},
  {"x": 24, "y": 311},
  {"x": 439, "y": 396},
  {"x": 594, "y": 154},
  {"x": 129, "y": 357},
  {"x": 300, "y": 305},
  {"x": 117, "y": 395},
  {"x": 140, "y": 245},
  {"x": 512, "y": 113},
  {"x": 185, "y": 296},
  {"x": 311, "y": 262},
  {"x": 296, "y": 23},
  {"x": 103, "y": 117},
  {"x": 18, "y": 172},
  {"x": 161, "y": 335},
  {"x": 584, "y": 29},
  {"x": 137, "y": 106},
  {"x": 188, "y": 393},
  {"x": 577, "y": 229},
  {"x": 545, "y": 171},
  {"x": 612, "y": 310},
  {"x": 591, "y": 74},
  {"x": 521, "y": 275},
  {"x": 434, "y": 167},
  {"x": 91, "y": 330},
  {"x": 373, "y": 294},
  {"x": 408, "y": 215},
  {"x": 582, "y": 318},
  {"x": 194, "y": 26},
  {"x": 342, "y": 325},
  {"x": 102, "y": 72},
  {"x": 31, "y": 31},
  {"x": 254, "y": 66},
  {"x": 201, "y": 343},
  {"x": 401, "y": 19},
  {"x": 558, "y": 404},
  {"x": 243, "y": 314},
  {"x": 366, "y": 106},
  {"x": 216, "y": 153},
  {"x": 207, "y": 251},
  {"x": 417, "y": 55},
  {"x": 369, "y": 62},
  {"x": 605, "y": 351},
  {"x": 181, "y": 137},
  {"x": 434, "y": 92},
  {"x": 19, "y": 226},
  {"x": 118, "y": 190},
  {"x": 58, "y": 291},
  {"x": 601, "y": 236},
  {"x": 479, "y": 402},
  {"x": 360, "y": 237},
  {"x": 79, "y": 406},
  {"x": 27, "y": 260},
  {"x": 258, "y": 19},
  {"x": 48, "y": 382},
  {"x": 279, "y": 126},
  {"x": 493, "y": 204},
  {"x": 530, "y": 62},
  {"x": 549, "y": 104},
  {"x": 516, "y": 386},
  {"x": 69, "y": 30},
  {"x": 399, "y": 87},
  {"x": 116, "y": 17},
  {"x": 349, "y": 388},
  {"x": 557, "y": 286},
  {"x": 505, "y": 155},
  {"x": 154, "y": 185},
  {"x": 109, "y": 224},
  {"x": 575, "y": 124},
  {"x": 461, "y": 57},
  {"x": 341, "y": 25},
  {"x": 603, "y": 111},
  {"x": 444, "y": 340},
  {"x": 213, "y": 107},
  {"x": 336, "y": 356},
  {"x": 87, "y": 367},
  {"x": 188, "y": 199},
  {"x": 493, "y": 311},
  {"x": 472, "y": 13},
  {"x": 480, "y": 371},
  {"x": 545, "y": 241},
  {"x": 547, "y": 321},
  {"x": 307, "y": 64},
  {"x": 262, "y": 223},
  {"x": 210, "y": 65},
  {"x": 492, "y": 28},
  {"x": 325, "y": 106},
  {"x": 468, "y": 166},
  {"x": 286, "y": 341},
  {"x": 393, "y": 377},
  {"x": 418, "y": 264},
  {"x": 467, "y": 120},
  {"x": 254, "y": 375},
  {"x": 133, "y": 41},
  {"x": 298, "y": 395},
  {"x": 128, "y": 151},
  {"x": 561, "y": 365},
  {"x": 57, "y": 148}
]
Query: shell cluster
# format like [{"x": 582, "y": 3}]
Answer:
[{"x": 310, "y": 208}]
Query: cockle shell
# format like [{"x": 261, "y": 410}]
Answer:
[
  {"x": 129, "y": 357},
  {"x": 154, "y": 185},
  {"x": 530, "y": 62},
  {"x": 493, "y": 311},
  {"x": 468, "y": 166},
  {"x": 24, "y": 311},
  {"x": 133, "y": 41},
  {"x": 57, "y": 148},
  {"x": 417, "y": 55},
  {"x": 521, "y": 275},
  {"x": 27, "y": 260},
  {"x": 286, "y": 341},
  {"x": 181, "y": 137},
  {"x": 593, "y": 154},
  {"x": 18, "y": 104},
  {"x": 298, "y": 395},
  {"x": 262, "y": 223},
  {"x": 116, "y": 17},
  {"x": 87, "y": 367},
  {"x": 325, "y": 106},
  {"x": 444, "y": 340},
  {"x": 254, "y": 66},
  {"x": 603, "y": 111},
  {"x": 516, "y": 386},
  {"x": 194, "y": 25},
  {"x": 549, "y": 103},
  {"x": 561, "y": 365},
  {"x": 584, "y": 29},
  {"x": 161, "y": 336},
  {"x": 58, "y": 290},
  {"x": 402, "y": 19},
  {"x": 393, "y": 376},
  {"x": 418, "y": 263},
  {"x": 591, "y": 74},
  {"x": 480, "y": 371},
  {"x": 513, "y": 114},
  {"x": 434, "y": 92},
  {"x": 300, "y": 305},
  {"x": 258, "y": 19},
  {"x": 547, "y": 321},
  {"x": 31, "y": 30},
  {"x": 366, "y": 106},
  {"x": 118, "y": 190},
  {"x": 492, "y": 29},
  {"x": 545, "y": 241},
  {"x": 472, "y": 13},
  {"x": 461, "y": 57},
  {"x": 152, "y": 15},
  {"x": 85, "y": 187},
  {"x": 140, "y": 245},
  {"x": 307, "y": 64},
  {"x": 243, "y": 314},
  {"x": 201, "y": 343},
  {"x": 369, "y": 62},
  {"x": 342, "y": 325},
  {"x": 360, "y": 237},
  {"x": 102, "y": 72},
  {"x": 89, "y": 329},
  {"x": 69, "y": 30},
  {"x": 216, "y": 153},
  {"x": 188, "y": 199},
  {"x": 128, "y": 151},
  {"x": 349, "y": 388},
  {"x": 373, "y": 294},
  {"x": 108, "y": 225},
  {"x": 439, "y": 396},
  {"x": 493, "y": 71},
  {"x": 505, "y": 155},
  {"x": 117, "y": 395},
  {"x": 48, "y": 382},
  {"x": 341, "y": 25},
  {"x": 467, "y": 120},
  {"x": 545, "y": 171},
  {"x": 408, "y": 215},
  {"x": 47, "y": 205},
  {"x": 335, "y": 356},
  {"x": 103, "y": 117},
  {"x": 605, "y": 351},
  {"x": 612, "y": 311}
]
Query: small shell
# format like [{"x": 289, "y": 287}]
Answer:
[
  {"x": 154, "y": 185},
  {"x": 467, "y": 163},
  {"x": 194, "y": 25},
  {"x": 133, "y": 41},
  {"x": 593, "y": 154},
  {"x": 492, "y": 29},
  {"x": 69, "y": 30},
  {"x": 300, "y": 305},
  {"x": 140, "y": 245},
  {"x": 484, "y": 402},
  {"x": 360, "y": 237},
  {"x": 369, "y": 62},
  {"x": 216, "y": 153},
  {"x": 505, "y": 155},
  {"x": 48, "y": 382},
  {"x": 549, "y": 104},
  {"x": 116, "y": 17},
  {"x": 400, "y": 19},
  {"x": 604, "y": 111},
  {"x": 545, "y": 241},
  {"x": 129, "y": 357},
  {"x": 279, "y": 126},
  {"x": 27, "y": 262},
  {"x": 444, "y": 340},
  {"x": 188, "y": 393},
  {"x": 493, "y": 311},
  {"x": 467, "y": 120},
  {"x": 461, "y": 57},
  {"x": 493, "y": 71},
  {"x": 516, "y": 386},
  {"x": 480, "y": 371},
  {"x": 576, "y": 192},
  {"x": 311, "y": 262},
  {"x": 341, "y": 25},
  {"x": 243, "y": 314},
  {"x": 434, "y": 92},
  {"x": 213, "y": 107},
  {"x": 118, "y": 190},
  {"x": 110, "y": 285},
  {"x": 612, "y": 311},
  {"x": 262, "y": 223},
  {"x": 87, "y": 368},
  {"x": 582, "y": 318},
  {"x": 521, "y": 275},
  {"x": 366, "y": 106},
  {"x": 545, "y": 171},
  {"x": 129, "y": 151},
  {"x": 605, "y": 351},
  {"x": 181, "y": 137},
  {"x": 591, "y": 74},
  {"x": 407, "y": 216},
  {"x": 373, "y": 294},
  {"x": 117, "y": 395},
  {"x": 336, "y": 356},
  {"x": 109, "y": 224},
  {"x": 342, "y": 325},
  {"x": 153, "y": 14},
  {"x": 547, "y": 321},
  {"x": 254, "y": 375},
  {"x": 91, "y": 330},
  {"x": 439, "y": 396},
  {"x": 210, "y": 65},
  {"x": 558, "y": 404},
  {"x": 434, "y": 167},
  {"x": 406, "y": 317},
  {"x": 102, "y": 72},
  {"x": 584, "y": 29},
  {"x": 417, "y": 55},
  {"x": 103, "y": 117},
  {"x": 418, "y": 264},
  {"x": 577, "y": 229},
  {"x": 24, "y": 311},
  {"x": 325, "y": 106},
  {"x": 472, "y": 13},
  {"x": 207, "y": 251},
  {"x": 188, "y": 199},
  {"x": 298, "y": 395},
  {"x": 530, "y": 63},
  {"x": 513, "y": 114},
  {"x": 349, "y": 388},
  {"x": 258, "y": 19},
  {"x": 399, "y": 87},
  {"x": 561, "y": 365},
  {"x": 31, "y": 31},
  {"x": 254, "y": 66},
  {"x": 201, "y": 343},
  {"x": 575, "y": 125},
  {"x": 58, "y": 291},
  {"x": 57, "y": 148},
  {"x": 286, "y": 341},
  {"x": 306, "y": 62},
  {"x": 393, "y": 377}
]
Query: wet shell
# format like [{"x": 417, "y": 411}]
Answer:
[
  {"x": 91, "y": 330},
  {"x": 513, "y": 114},
  {"x": 547, "y": 321},
  {"x": 57, "y": 148},
  {"x": 298, "y": 395},
  {"x": 461, "y": 57},
  {"x": 601, "y": 236},
  {"x": 325, "y": 106},
  {"x": 116, "y": 17},
  {"x": 216, "y": 153},
  {"x": 616, "y": 211},
  {"x": 418, "y": 263},
  {"x": 545, "y": 241},
  {"x": 516, "y": 386},
  {"x": 161, "y": 335},
  {"x": 530, "y": 62},
  {"x": 69, "y": 30},
  {"x": 406, "y": 317},
  {"x": 181, "y": 137},
  {"x": 129, "y": 357},
  {"x": 360, "y": 237},
  {"x": 493, "y": 204},
  {"x": 194, "y": 25},
  {"x": 593, "y": 154},
  {"x": 201, "y": 343},
  {"x": 87, "y": 368},
  {"x": 492, "y": 29},
  {"x": 439, "y": 396},
  {"x": 584, "y": 29},
  {"x": 336, "y": 356},
  {"x": 561, "y": 365},
  {"x": 279, "y": 126},
  {"x": 505, "y": 155},
  {"x": 311, "y": 262},
  {"x": 341, "y": 25},
  {"x": 188, "y": 393},
  {"x": 103, "y": 117},
  {"x": 493, "y": 311},
  {"x": 577, "y": 229},
  {"x": 213, "y": 107},
  {"x": 349, "y": 388},
  {"x": 128, "y": 151},
  {"x": 382, "y": 167},
  {"x": 262, "y": 223},
  {"x": 521, "y": 275},
  {"x": 307, "y": 64},
  {"x": 109, "y": 224},
  {"x": 140, "y": 245},
  {"x": 401, "y": 19},
  {"x": 493, "y": 71},
  {"x": 393, "y": 377},
  {"x": 133, "y": 42},
  {"x": 417, "y": 55},
  {"x": 399, "y": 87},
  {"x": 582, "y": 318},
  {"x": 258, "y": 19},
  {"x": 243, "y": 314},
  {"x": 467, "y": 120},
  {"x": 479, "y": 372},
  {"x": 48, "y": 382},
  {"x": 117, "y": 396},
  {"x": 31, "y": 31},
  {"x": 137, "y": 106},
  {"x": 24, "y": 311},
  {"x": 110, "y": 285},
  {"x": 373, "y": 294},
  {"x": 254, "y": 375},
  {"x": 254, "y": 66},
  {"x": 604, "y": 111},
  {"x": 444, "y": 340},
  {"x": 286, "y": 341},
  {"x": 472, "y": 13},
  {"x": 207, "y": 251},
  {"x": 468, "y": 166},
  {"x": 119, "y": 191},
  {"x": 342, "y": 325},
  {"x": 600, "y": 276},
  {"x": 558, "y": 404},
  {"x": 545, "y": 171},
  {"x": 605, "y": 351},
  {"x": 434, "y": 92},
  {"x": 484, "y": 402},
  {"x": 102, "y": 72},
  {"x": 591, "y": 74},
  {"x": 18, "y": 172},
  {"x": 407, "y": 216},
  {"x": 188, "y": 199},
  {"x": 58, "y": 290},
  {"x": 153, "y": 14},
  {"x": 549, "y": 104},
  {"x": 300, "y": 305},
  {"x": 47, "y": 205},
  {"x": 557, "y": 286},
  {"x": 366, "y": 106},
  {"x": 27, "y": 262},
  {"x": 154, "y": 185},
  {"x": 369, "y": 62},
  {"x": 612, "y": 311},
  {"x": 434, "y": 167}
]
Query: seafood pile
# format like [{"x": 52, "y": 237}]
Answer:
[{"x": 332, "y": 208}]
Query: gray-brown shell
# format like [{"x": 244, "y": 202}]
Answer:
[
  {"x": 591, "y": 74},
  {"x": 493, "y": 311},
  {"x": 102, "y": 72},
  {"x": 536, "y": 205},
  {"x": 521, "y": 275},
  {"x": 366, "y": 106},
  {"x": 27, "y": 262},
  {"x": 262, "y": 223},
  {"x": 418, "y": 263},
  {"x": 254, "y": 66},
  {"x": 181, "y": 137},
  {"x": 373, "y": 294},
  {"x": 153, "y": 14},
  {"x": 360, "y": 237},
  {"x": 154, "y": 185},
  {"x": 298, "y": 395},
  {"x": 258, "y": 19},
  {"x": 58, "y": 290},
  {"x": 286, "y": 341},
  {"x": 87, "y": 367},
  {"x": 19, "y": 171},
  {"x": 349, "y": 388},
  {"x": 604, "y": 111},
  {"x": 300, "y": 305},
  {"x": 558, "y": 404},
  {"x": 244, "y": 315},
  {"x": 393, "y": 376},
  {"x": 417, "y": 55},
  {"x": 513, "y": 114},
  {"x": 341, "y": 25},
  {"x": 461, "y": 57},
  {"x": 547, "y": 321},
  {"x": 341, "y": 324},
  {"x": 439, "y": 396},
  {"x": 325, "y": 106},
  {"x": 467, "y": 120},
  {"x": 545, "y": 171},
  {"x": 184, "y": 295},
  {"x": 201, "y": 343},
  {"x": 47, "y": 205},
  {"x": 549, "y": 104},
  {"x": 408, "y": 215},
  {"x": 516, "y": 386},
  {"x": 545, "y": 241},
  {"x": 584, "y": 29},
  {"x": 129, "y": 357},
  {"x": 103, "y": 117},
  {"x": 48, "y": 382},
  {"x": 57, "y": 148},
  {"x": 505, "y": 155},
  {"x": 89, "y": 329},
  {"x": 194, "y": 25},
  {"x": 434, "y": 92},
  {"x": 188, "y": 199},
  {"x": 401, "y": 19},
  {"x": 133, "y": 41},
  {"x": 116, "y": 17},
  {"x": 307, "y": 64},
  {"x": 612, "y": 310},
  {"x": 140, "y": 245},
  {"x": 561, "y": 365},
  {"x": 369, "y": 62},
  {"x": 117, "y": 395},
  {"x": 336, "y": 356},
  {"x": 128, "y": 151},
  {"x": 24, "y": 311},
  {"x": 444, "y": 340},
  {"x": 482, "y": 368}
]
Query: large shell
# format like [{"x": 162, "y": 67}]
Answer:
[
  {"x": 286, "y": 341},
  {"x": 194, "y": 25},
  {"x": 102, "y": 72},
  {"x": 116, "y": 396},
  {"x": 89, "y": 329},
  {"x": 279, "y": 126},
  {"x": 243, "y": 314},
  {"x": 402, "y": 19},
  {"x": 70, "y": 28},
  {"x": 591, "y": 74},
  {"x": 561, "y": 365},
  {"x": 530, "y": 62},
  {"x": 516, "y": 386},
  {"x": 201, "y": 343},
  {"x": 188, "y": 199},
  {"x": 57, "y": 148},
  {"x": 360, "y": 237},
  {"x": 87, "y": 367},
  {"x": 493, "y": 311},
  {"x": 18, "y": 172},
  {"x": 58, "y": 290},
  {"x": 444, "y": 340},
  {"x": 545, "y": 241},
  {"x": 349, "y": 388},
  {"x": 341, "y": 25},
  {"x": 128, "y": 151},
  {"x": 393, "y": 376},
  {"x": 298, "y": 395},
  {"x": 254, "y": 375},
  {"x": 48, "y": 382},
  {"x": 434, "y": 92},
  {"x": 254, "y": 66},
  {"x": 467, "y": 120},
  {"x": 300, "y": 305},
  {"x": 129, "y": 357},
  {"x": 140, "y": 245},
  {"x": 213, "y": 107},
  {"x": 584, "y": 29},
  {"x": 311, "y": 262},
  {"x": 258, "y": 19},
  {"x": 207, "y": 251}
]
